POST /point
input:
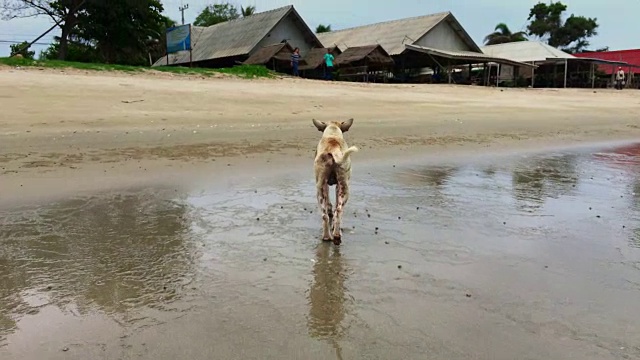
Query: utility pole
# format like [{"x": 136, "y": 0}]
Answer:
[{"x": 182, "y": 9}]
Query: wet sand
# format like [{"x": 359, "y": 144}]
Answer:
[
  {"x": 531, "y": 257},
  {"x": 118, "y": 241}
]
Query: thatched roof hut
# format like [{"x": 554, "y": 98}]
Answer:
[
  {"x": 372, "y": 56},
  {"x": 266, "y": 55},
  {"x": 314, "y": 58}
]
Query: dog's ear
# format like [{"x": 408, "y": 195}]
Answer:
[
  {"x": 319, "y": 124},
  {"x": 345, "y": 125}
]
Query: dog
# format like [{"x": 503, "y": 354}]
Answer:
[{"x": 332, "y": 166}]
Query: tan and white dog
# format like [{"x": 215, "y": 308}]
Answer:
[{"x": 332, "y": 166}]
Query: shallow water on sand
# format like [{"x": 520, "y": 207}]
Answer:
[{"x": 522, "y": 257}]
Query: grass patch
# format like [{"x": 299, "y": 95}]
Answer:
[{"x": 243, "y": 71}]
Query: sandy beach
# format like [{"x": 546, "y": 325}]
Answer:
[
  {"x": 159, "y": 216},
  {"x": 107, "y": 124}
]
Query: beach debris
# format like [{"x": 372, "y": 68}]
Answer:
[
  {"x": 399, "y": 266},
  {"x": 598, "y": 216},
  {"x": 468, "y": 295},
  {"x": 131, "y": 101},
  {"x": 386, "y": 242},
  {"x": 258, "y": 219},
  {"x": 65, "y": 349}
]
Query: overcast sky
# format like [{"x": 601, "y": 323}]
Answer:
[{"x": 617, "y": 18}]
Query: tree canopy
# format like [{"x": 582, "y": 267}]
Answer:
[
  {"x": 503, "y": 34},
  {"x": 218, "y": 13},
  {"x": 247, "y": 11},
  {"x": 570, "y": 34},
  {"x": 323, "y": 28}
]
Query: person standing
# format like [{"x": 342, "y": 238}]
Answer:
[
  {"x": 295, "y": 61},
  {"x": 620, "y": 78},
  {"x": 328, "y": 61}
]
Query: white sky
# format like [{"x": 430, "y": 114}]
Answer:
[{"x": 617, "y": 18}]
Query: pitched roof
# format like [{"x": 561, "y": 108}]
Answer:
[
  {"x": 232, "y": 38},
  {"x": 375, "y": 53},
  {"x": 393, "y": 35},
  {"x": 280, "y": 51},
  {"x": 467, "y": 56},
  {"x": 526, "y": 51}
]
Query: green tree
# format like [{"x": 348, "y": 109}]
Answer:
[
  {"x": 101, "y": 36},
  {"x": 323, "y": 28},
  {"x": 247, "y": 11},
  {"x": 64, "y": 13},
  {"x": 503, "y": 34},
  {"x": 23, "y": 50},
  {"x": 122, "y": 42},
  {"x": 216, "y": 13},
  {"x": 571, "y": 35}
]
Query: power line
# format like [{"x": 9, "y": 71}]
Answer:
[{"x": 20, "y": 42}]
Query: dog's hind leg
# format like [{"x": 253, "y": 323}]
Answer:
[
  {"x": 342, "y": 195},
  {"x": 325, "y": 204}
]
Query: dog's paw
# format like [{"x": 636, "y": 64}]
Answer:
[
  {"x": 337, "y": 240},
  {"x": 327, "y": 238}
]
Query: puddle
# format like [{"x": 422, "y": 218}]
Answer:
[{"x": 533, "y": 256}]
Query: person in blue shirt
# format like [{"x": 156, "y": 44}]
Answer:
[
  {"x": 295, "y": 61},
  {"x": 328, "y": 61}
]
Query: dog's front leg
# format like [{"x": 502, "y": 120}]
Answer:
[{"x": 324, "y": 204}]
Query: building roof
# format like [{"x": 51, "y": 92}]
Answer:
[
  {"x": 374, "y": 53},
  {"x": 393, "y": 35},
  {"x": 280, "y": 51},
  {"x": 466, "y": 56},
  {"x": 526, "y": 51},
  {"x": 315, "y": 57},
  {"x": 624, "y": 58},
  {"x": 233, "y": 38}
]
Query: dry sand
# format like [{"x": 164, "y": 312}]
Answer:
[{"x": 59, "y": 125}]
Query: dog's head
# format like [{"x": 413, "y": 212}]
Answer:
[{"x": 333, "y": 126}]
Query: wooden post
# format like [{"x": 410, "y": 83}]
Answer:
[
  {"x": 498, "y": 75},
  {"x": 533, "y": 74},
  {"x": 190, "y": 48},
  {"x": 566, "y": 67},
  {"x": 593, "y": 76}
]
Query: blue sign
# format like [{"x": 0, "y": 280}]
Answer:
[{"x": 178, "y": 38}]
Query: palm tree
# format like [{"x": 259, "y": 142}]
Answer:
[
  {"x": 247, "y": 11},
  {"x": 503, "y": 34},
  {"x": 323, "y": 28}
]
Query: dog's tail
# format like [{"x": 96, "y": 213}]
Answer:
[{"x": 341, "y": 159}]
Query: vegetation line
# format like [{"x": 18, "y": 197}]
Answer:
[{"x": 243, "y": 71}]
